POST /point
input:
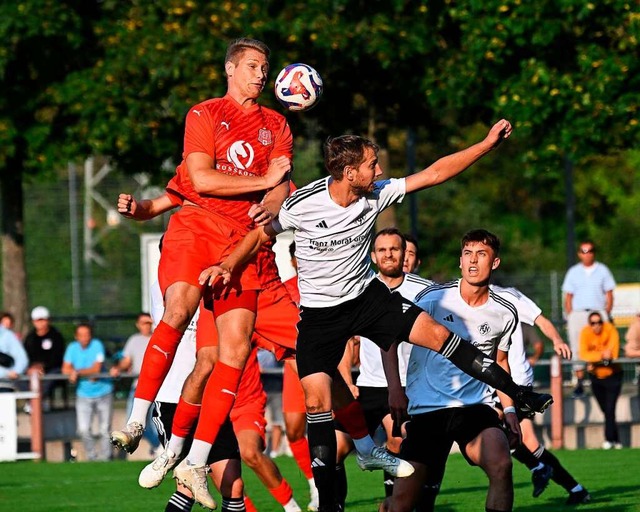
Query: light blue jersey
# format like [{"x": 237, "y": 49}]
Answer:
[{"x": 83, "y": 358}]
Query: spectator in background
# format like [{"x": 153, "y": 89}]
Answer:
[
  {"x": 83, "y": 358},
  {"x": 45, "y": 347},
  {"x": 411, "y": 255},
  {"x": 599, "y": 347},
  {"x": 9, "y": 322},
  {"x": 632, "y": 347},
  {"x": 131, "y": 362},
  {"x": 588, "y": 286},
  {"x": 13, "y": 358},
  {"x": 533, "y": 345},
  {"x": 273, "y": 388}
]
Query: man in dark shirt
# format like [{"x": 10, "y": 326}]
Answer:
[{"x": 45, "y": 347}]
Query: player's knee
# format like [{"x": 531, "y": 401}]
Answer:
[
  {"x": 294, "y": 432},
  {"x": 251, "y": 455},
  {"x": 500, "y": 468},
  {"x": 234, "y": 352}
]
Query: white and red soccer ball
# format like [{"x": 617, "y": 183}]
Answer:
[{"x": 298, "y": 87}]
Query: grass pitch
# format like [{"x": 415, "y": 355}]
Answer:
[{"x": 612, "y": 478}]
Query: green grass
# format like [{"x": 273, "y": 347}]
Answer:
[{"x": 612, "y": 478}]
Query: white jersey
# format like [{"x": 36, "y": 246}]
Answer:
[
  {"x": 371, "y": 369},
  {"x": 333, "y": 242},
  {"x": 435, "y": 383},
  {"x": 528, "y": 311},
  {"x": 185, "y": 358}
]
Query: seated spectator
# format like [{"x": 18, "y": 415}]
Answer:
[
  {"x": 9, "y": 322},
  {"x": 45, "y": 348},
  {"x": 83, "y": 358},
  {"x": 599, "y": 348},
  {"x": 13, "y": 359}
]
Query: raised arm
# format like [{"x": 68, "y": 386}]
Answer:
[
  {"x": 451, "y": 165},
  {"x": 549, "y": 330},
  {"x": 206, "y": 179}
]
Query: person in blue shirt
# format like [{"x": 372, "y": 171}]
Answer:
[
  {"x": 83, "y": 358},
  {"x": 13, "y": 359}
]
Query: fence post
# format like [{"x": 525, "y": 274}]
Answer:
[
  {"x": 557, "y": 409},
  {"x": 37, "y": 432}
]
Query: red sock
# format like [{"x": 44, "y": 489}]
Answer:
[
  {"x": 300, "y": 450},
  {"x": 249, "y": 504},
  {"x": 157, "y": 360},
  {"x": 283, "y": 493},
  {"x": 217, "y": 401},
  {"x": 352, "y": 418},
  {"x": 184, "y": 418}
]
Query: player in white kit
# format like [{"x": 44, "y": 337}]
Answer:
[
  {"x": 542, "y": 463},
  {"x": 371, "y": 389},
  {"x": 333, "y": 220}
]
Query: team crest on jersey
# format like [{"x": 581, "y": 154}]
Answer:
[
  {"x": 360, "y": 218},
  {"x": 265, "y": 137},
  {"x": 484, "y": 329}
]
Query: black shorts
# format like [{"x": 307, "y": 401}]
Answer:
[
  {"x": 375, "y": 404},
  {"x": 225, "y": 447},
  {"x": 377, "y": 313},
  {"x": 431, "y": 435}
]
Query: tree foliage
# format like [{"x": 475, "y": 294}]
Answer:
[{"x": 89, "y": 77}]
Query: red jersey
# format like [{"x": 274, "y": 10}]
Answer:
[{"x": 242, "y": 142}]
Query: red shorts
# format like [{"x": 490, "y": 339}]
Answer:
[
  {"x": 275, "y": 328},
  {"x": 195, "y": 240},
  {"x": 292, "y": 393}
]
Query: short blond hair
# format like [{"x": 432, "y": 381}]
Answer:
[{"x": 238, "y": 46}]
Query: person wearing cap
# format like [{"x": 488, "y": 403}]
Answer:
[{"x": 45, "y": 347}]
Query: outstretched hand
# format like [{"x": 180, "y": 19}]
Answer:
[
  {"x": 499, "y": 132},
  {"x": 209, "y": 275}
]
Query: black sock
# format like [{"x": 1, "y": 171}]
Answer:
[
  {"x": 473, "y": 362},
  {"x": 389, "y": 479},
  {"x": 524, "y": 455},
  {"x": 233, "y": 504},
  {"x": 487, "y": 509},
  {"x": 341, "y": 485},
  {"x": 427, "y": 500},
  {"x": 322, "y": 447},
  {"x": 560, "y": 475},
  {"x": 179, "y": 503}
]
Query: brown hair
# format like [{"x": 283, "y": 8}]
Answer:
[
  {"x": 339, "y": 152},
  {"x": 483, "y": 236}
]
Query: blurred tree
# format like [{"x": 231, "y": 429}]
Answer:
[
  {"x": 43, "y": 41},
  {"x": 112, "y": 78}
]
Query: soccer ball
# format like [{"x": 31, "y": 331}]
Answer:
[{"x": 298, "y": 87}]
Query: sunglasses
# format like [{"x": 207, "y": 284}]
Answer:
[
  {"x": 586, "y": 251},
  {"x": 599, "y": 322}
]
